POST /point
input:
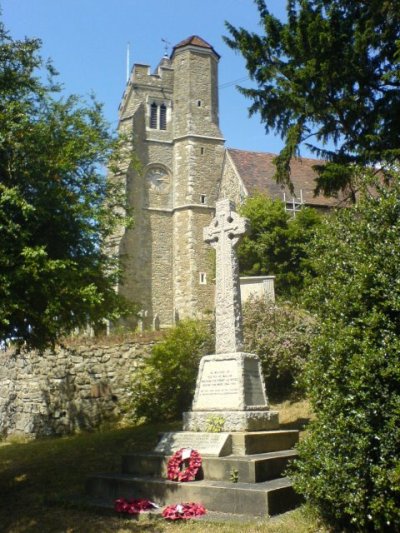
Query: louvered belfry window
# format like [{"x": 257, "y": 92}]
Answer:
[
  {"x": 158, "y": 116},
  {"x": 163, "y": 117},
  {"x": 153, "y": 115}
]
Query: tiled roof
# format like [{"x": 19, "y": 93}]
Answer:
[
  {"x": 194, "y": 40},
  {"x": 256, "y": 170}
]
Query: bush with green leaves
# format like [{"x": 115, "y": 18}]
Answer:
[
  {"x": 277, "y": 244},
  {"x": 58, "y": 271},
  {"x": 280, "y": 336},
  {"x": 349, "y": 465},
  {"x": 164, "y": 386}
]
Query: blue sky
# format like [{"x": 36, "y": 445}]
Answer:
[{"x": 87, "y": 41}]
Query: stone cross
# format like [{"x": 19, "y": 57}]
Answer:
[{"x": 223, "y": 234}]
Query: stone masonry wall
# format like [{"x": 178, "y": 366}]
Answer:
[
  {"x": 167, "y": 269},
  {"x": 68, "y": 389},
  {"x": 230, "y": 186}
]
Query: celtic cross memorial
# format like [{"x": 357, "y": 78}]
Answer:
[
  {"x": 230, "y": 385},
  {"x": 223, "y": 234}
]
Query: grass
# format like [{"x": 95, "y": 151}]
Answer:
[
  {"x": 39, "y": 479},
  {"x": 294, "y": 414}
]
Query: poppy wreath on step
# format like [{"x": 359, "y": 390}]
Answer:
[
  {"x": 133, "y": 505},
  {"x": 183, "y": 511},
  {"x": 184, "y": 465}
]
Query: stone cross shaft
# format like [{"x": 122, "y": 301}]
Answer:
[{"x": 223, "y": 234}]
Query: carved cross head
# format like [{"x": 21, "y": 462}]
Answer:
[{"x": 226, "y": 228}]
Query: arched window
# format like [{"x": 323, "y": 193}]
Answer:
[{"x": 153, "y": 115}]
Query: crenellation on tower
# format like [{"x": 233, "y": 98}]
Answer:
[{"x": 141, "y": 78}]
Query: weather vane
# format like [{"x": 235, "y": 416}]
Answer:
[{"x": 167, "y": 45}]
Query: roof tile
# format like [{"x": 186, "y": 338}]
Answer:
[
  {"x": 194, "y": 40},
  {"x": 257, "y": 170}
]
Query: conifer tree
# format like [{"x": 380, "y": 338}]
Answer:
[{"x": 328, "y": 77}]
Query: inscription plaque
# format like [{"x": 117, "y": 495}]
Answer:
[
  {"x": 217, "y": 444},
  {"x": 230, "y": 383},
  {"x": 219, "y": 385}
]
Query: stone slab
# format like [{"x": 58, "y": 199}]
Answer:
[
  {"x": 216, "y": 444},
  {"x": 231, "y": 381},
  {"x": 233, "y": 420},
  {"x": 263, "y": 441},
  {"x": 254, "y": 499},
  {"x": 249, "y": 469}
]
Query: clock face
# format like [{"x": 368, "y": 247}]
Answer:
[{"x": 158, "y": 179}]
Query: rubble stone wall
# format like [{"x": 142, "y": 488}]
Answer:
[{"x": 74, "y": 388}]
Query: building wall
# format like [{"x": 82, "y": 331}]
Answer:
[
  {"x": 231, "y": 186},
  {"x": 146, "y": 249},
  {"x": 198, "y": 156},
  {"x": 167, "y": 266},
  {"x": 257, "y": 287},
  {"x": 68, "y": 389}
]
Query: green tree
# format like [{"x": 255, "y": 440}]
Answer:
[
  {"x": 349, "y": 465},
  {"x": 164, "y": 386},
  {"x": 329, "y": 74},
  {"x": 56, "y": 208},
  {"x": 277, "y": 244}
]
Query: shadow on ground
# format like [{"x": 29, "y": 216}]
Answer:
[{"x": 299, "y": 423}]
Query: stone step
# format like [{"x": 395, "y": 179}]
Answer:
[
  {"x": 249, "y": 443},
  {"x": 254, "y": 499},
  {"x": 228, "y": 443},
  {"x": 249, "y": 469}
]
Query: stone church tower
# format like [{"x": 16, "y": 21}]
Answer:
[{"x": 173, "y": 116}]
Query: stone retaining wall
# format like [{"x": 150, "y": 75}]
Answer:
[{"x": 68, "y": 389}]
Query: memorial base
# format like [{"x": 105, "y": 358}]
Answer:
[
  {"x": 231, "y": 420},
  {"x": 241, "y": 473}
]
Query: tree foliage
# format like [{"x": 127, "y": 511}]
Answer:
[
  {"x": 56, "y": 208},
  {"x": 349, "y": 464},
  {"x": 164, "y": 386},
  {"x": 281, "y": 336},
  {"x": 277, "y": 243},
  {"x": 329, "y": 74}
]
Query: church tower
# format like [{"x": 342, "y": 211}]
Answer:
[{"x": 173, "y": 116}]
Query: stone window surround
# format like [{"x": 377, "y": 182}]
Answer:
[
  {"x": 161, "y": 121},
  {"x": 202, "y": 278}
]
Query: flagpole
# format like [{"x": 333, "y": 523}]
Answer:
[{"x": 127, "y": 61}]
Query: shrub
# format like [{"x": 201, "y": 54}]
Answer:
[
  {"x": 349, "y": 465},
  {"x": 164, "y": 386},
  {"x": 277, "y": 243},
  {"x": 280, "y": 336}
]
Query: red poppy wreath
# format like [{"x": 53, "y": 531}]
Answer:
[
  {"x": 184, "y": 465},
  {"x": 183, "y": 511},
  {"x": 133, "y": 505}
]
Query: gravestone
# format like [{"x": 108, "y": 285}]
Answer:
[{"x": 230, "y": 384}]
